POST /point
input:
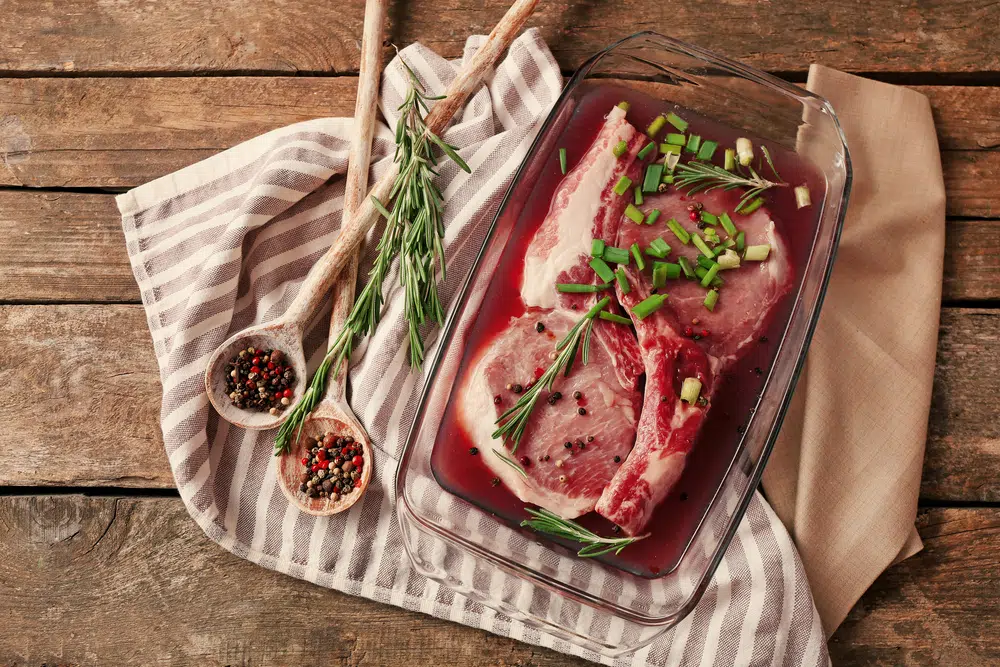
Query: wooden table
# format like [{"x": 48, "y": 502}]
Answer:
[{"x": 99, "y": 563}]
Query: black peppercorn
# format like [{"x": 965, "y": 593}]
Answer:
[
  {"x": 577, "y": 395},
  {"x": 568, "y": 445},
  {"x": 473, "y": 450},
  {"x": 539, "y": 327},
  {"x": 618, "y": 459},
  {"x": 581, "y": 411},
  {"x": 517, "y": 389}
]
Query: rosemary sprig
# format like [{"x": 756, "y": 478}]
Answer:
[
  {"x": 544, "y": 521},
  {"x": 511, "y": 424},
  {"x": 704, "y": 177},
  {"x": 511, "y": 462},
  {"x": 414, "y": 232}
]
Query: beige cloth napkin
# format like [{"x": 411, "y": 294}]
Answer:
[{"x": 845, "y": 474}]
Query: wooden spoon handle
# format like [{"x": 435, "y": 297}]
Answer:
[{"x": 324, "y": 273}]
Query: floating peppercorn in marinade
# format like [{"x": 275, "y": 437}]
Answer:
[{"x": 627, "y": 329}]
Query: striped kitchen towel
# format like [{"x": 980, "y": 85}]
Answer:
[{"x": 226, "y": 242}]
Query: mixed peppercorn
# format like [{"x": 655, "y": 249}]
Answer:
[
  {"x": 260, "y": 380},
  {"x": 332, "y": 467}
]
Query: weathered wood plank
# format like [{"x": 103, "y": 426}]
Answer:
[
  {"x": 317, "y": 36},
  {"x": 64, "y": 246},
  {"x": 100, "y": 563},
  {"x": 89, "y": 389}
]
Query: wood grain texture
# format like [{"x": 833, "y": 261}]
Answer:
[
  {"x": 317, "y": 36},
  {"x": 145, "y": 569},
  {"x": 48, "y": 352}
]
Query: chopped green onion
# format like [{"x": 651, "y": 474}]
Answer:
[
  {"x": 707, "y": 150},
  {"x": 682, "y": 234},
  {"x": 601, "y": 268},
  {"x": 690, "y": 390},
  {"x": 727, "y": 224},
  {"x": 578, "y": 288},
  {"x": 596, "y": 248},
  {"x": 712, "y": 236},
  {"x": 700, "y": 272},
  {"x": 620, "y": 148},
  {"x": 655, "y": 127},
  {"x": 729, "y": 260},
  {"x": 658, "y": 248},
  {"x": 623, "y": 281},
  {"x": 615, "y": 255},
  {"x": 711, "y": 299},
  {"x": 667, "y": 178},
  {"x": 677, "y": 122},
  {"x": 624, "y": 106},
  {"x": 740, "y": 242},
  {"x": 694, "y": 142},
  {"x": 653, "y": 215},
  {"x": 730, "y": 159},
  {"x": 622, "y": 186},
  {"x": 637, "y": 255},
  {"x": 710, "y": 218},
  {"x": 676, "y": 139},
  {"x": 802, "y": 198},
  {"x": 646, "y": 150},
  {"x": 744, "y": 149},
  {"x": 670, "y": 149},
  {"x": 652, "y": 180},
  {"x": 663, "y": 271},
  {"x": 757, "y": 253},
  {"x": 673, "y": 270},
  {"x": 749, "y": 208},
  {"x": 700, "y": 244},
  {"x": 686, "y": 267},
  {"x": 671, "y": 161},
  {"x": 634, "y": 214},
  {"x": 710, "y": 276},
  {"x": 705, "y": 262},
  {"x": 562, "y": 160},
  {"x": 638, "y": 196},
  {"x": 648, "y": 306},
  {"x": 612, "y": 317},
  {"x": 728, "y": 243}
]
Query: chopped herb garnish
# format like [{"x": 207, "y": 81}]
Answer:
[
  {"x": 649, "y": 305},
  {"x": 671, "y": 149},
  {"x": 686, "y": 267},
  {"x": 702, "y": 177},
  {"x": 677, "y": 122},
  {"x": 711, "y": 299},
  {"x": 651, "y": 182},
  {"x": 624, "y": 106},
  {"x": 709, "y": 218},
  {"x": 623, "y": 281},
  {"x": 700, "y": 244},
  {"x": 658, "y": 248},
  {"x": 634, "y": 214},
  {"x": 646, "y": 150},
  {"x": 622, "y": 186},
  {"x": 707, "y": 150},
  {"x": 562, "y": 160},
  {"x": 620, "y": 148},
  {"x": 638, "y": 196},
  {"x": 744, "y": 150},
  {"x": 659, "y": 274},
  {"x": 673, "y": 270},
  {"x": 802, "y": 198},
  {"x": 655, "y": 127},
  {"x": 729, "y": 260},
  {"x": 544, "y": 521},
  {"x": 710, "y": 276},
  {"x": 730, "y": 163},
  {"x": 747, "y": 209},
  {"x": 705, "y": 262},
  {"x": 667, "y": 178},
  {"x": 601, "y": 268},
  {"x": 694, "y": 142},
  {"x": 670, "y": 162},
  {"x": 653, "y": 216},
  {"x": 597, "y": 248},
  {"x": 690, "y": 389},
  {"x": 581, "y": 288},
  {"x": 676, "y": 139},
  {"x": 740, "y": 241},
  {"x": 757, "y": 253},
  {"x": 615, "y": 255},
  {"x": 612, "y": 317},
  {"x": 682, "y": 234},
  {"x": 727, "y": 224},
  {"x": 712, "y": 236},
  {"x": 637, "y": 254}
]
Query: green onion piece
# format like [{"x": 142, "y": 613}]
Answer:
[
  {"x": 707, "y": 150},
  {"x": 710, "y": 218},
  {"x": 662, "y": 271},
  {"x": 694, "y": 142},
  {"x": 705, "y": 262},
  {"x": 601, "y": 268},
  {"x": 711, "y": 299},
  {"x": 634, "y": 214},
  {"x": 623, "y": 281},
  {"x": 655, "y": 127},
  {"x": 752, "y": 206},
  {"x": 728, "y": 243},
  {"x": 562, "y": 160},
  {"x": 690, "y": 390},
  {"x": 727, "y": 224},
  {"x": 646, "y": 150},
  {"x": 624, "y": 106},
  {"x": 648, "y": 306},
  {"x": 578, "y": 288},
  {"x": 596, "y": 248},
  {"x": 682, "y": 234},
  {"x": 658, "y": 248},
  {"x": 671, "y": 161},
  {"x": 637, "y": 254},
  {"x": 712, "y": 236},
  {"x": 615, "y": 255},
  {"x": 802, "y": 198},
  {"x": 757, "y": 253},
  {"x": 744, "y": 149},
  {"x": 673, "y": 270},
  {"x": 700, "y": 272},
  {"x": 667, "y": 178},
  {"x": 652, "y": 180},
  {"x": 670, "y": 149},
  {"x": 730, "y": 159},
  {"x": 612, "y": 317},
  {"x": 686, "y": 267},
  {"x": 700, "y": 244},
  {"x": 620, "y": 148},
  {"x": 729, "y": 260},
  {"x": 653, "y": 216},
  {"x": 677, "y": 122},
  {"x": 740, "y": 241},
  {"x": 710, "y": 276},
  {"x": 676, "y": 139},
  {"x": 622, "y": 186},
  {"x": 638, "y": 196}
]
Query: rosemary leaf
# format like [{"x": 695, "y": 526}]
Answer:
[{"x": 544, "y": 521}]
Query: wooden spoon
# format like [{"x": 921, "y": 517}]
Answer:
[
  {"x": 285, "y": 333},
  {"x": 333, "y": 415}
]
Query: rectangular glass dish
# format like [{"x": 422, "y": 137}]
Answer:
[{"x": 485, "y": 555}]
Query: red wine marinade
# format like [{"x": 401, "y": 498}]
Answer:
[{"x": 675, "y": 520}]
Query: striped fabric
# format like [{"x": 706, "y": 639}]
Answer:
[{"x": 225, "y": 243}]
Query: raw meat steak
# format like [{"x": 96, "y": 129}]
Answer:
[
  {"x": 669, "y": 427},
  {"x": 571, "y": 480},
  {"x": 585, "y": 208}
]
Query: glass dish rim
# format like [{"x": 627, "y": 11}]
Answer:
[{"x": 806, "y": 98}]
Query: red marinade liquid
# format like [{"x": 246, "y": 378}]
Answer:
[{"x": 677, "y": 517}]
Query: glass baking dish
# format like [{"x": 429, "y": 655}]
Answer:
[{"x": 535, "y": 581}]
